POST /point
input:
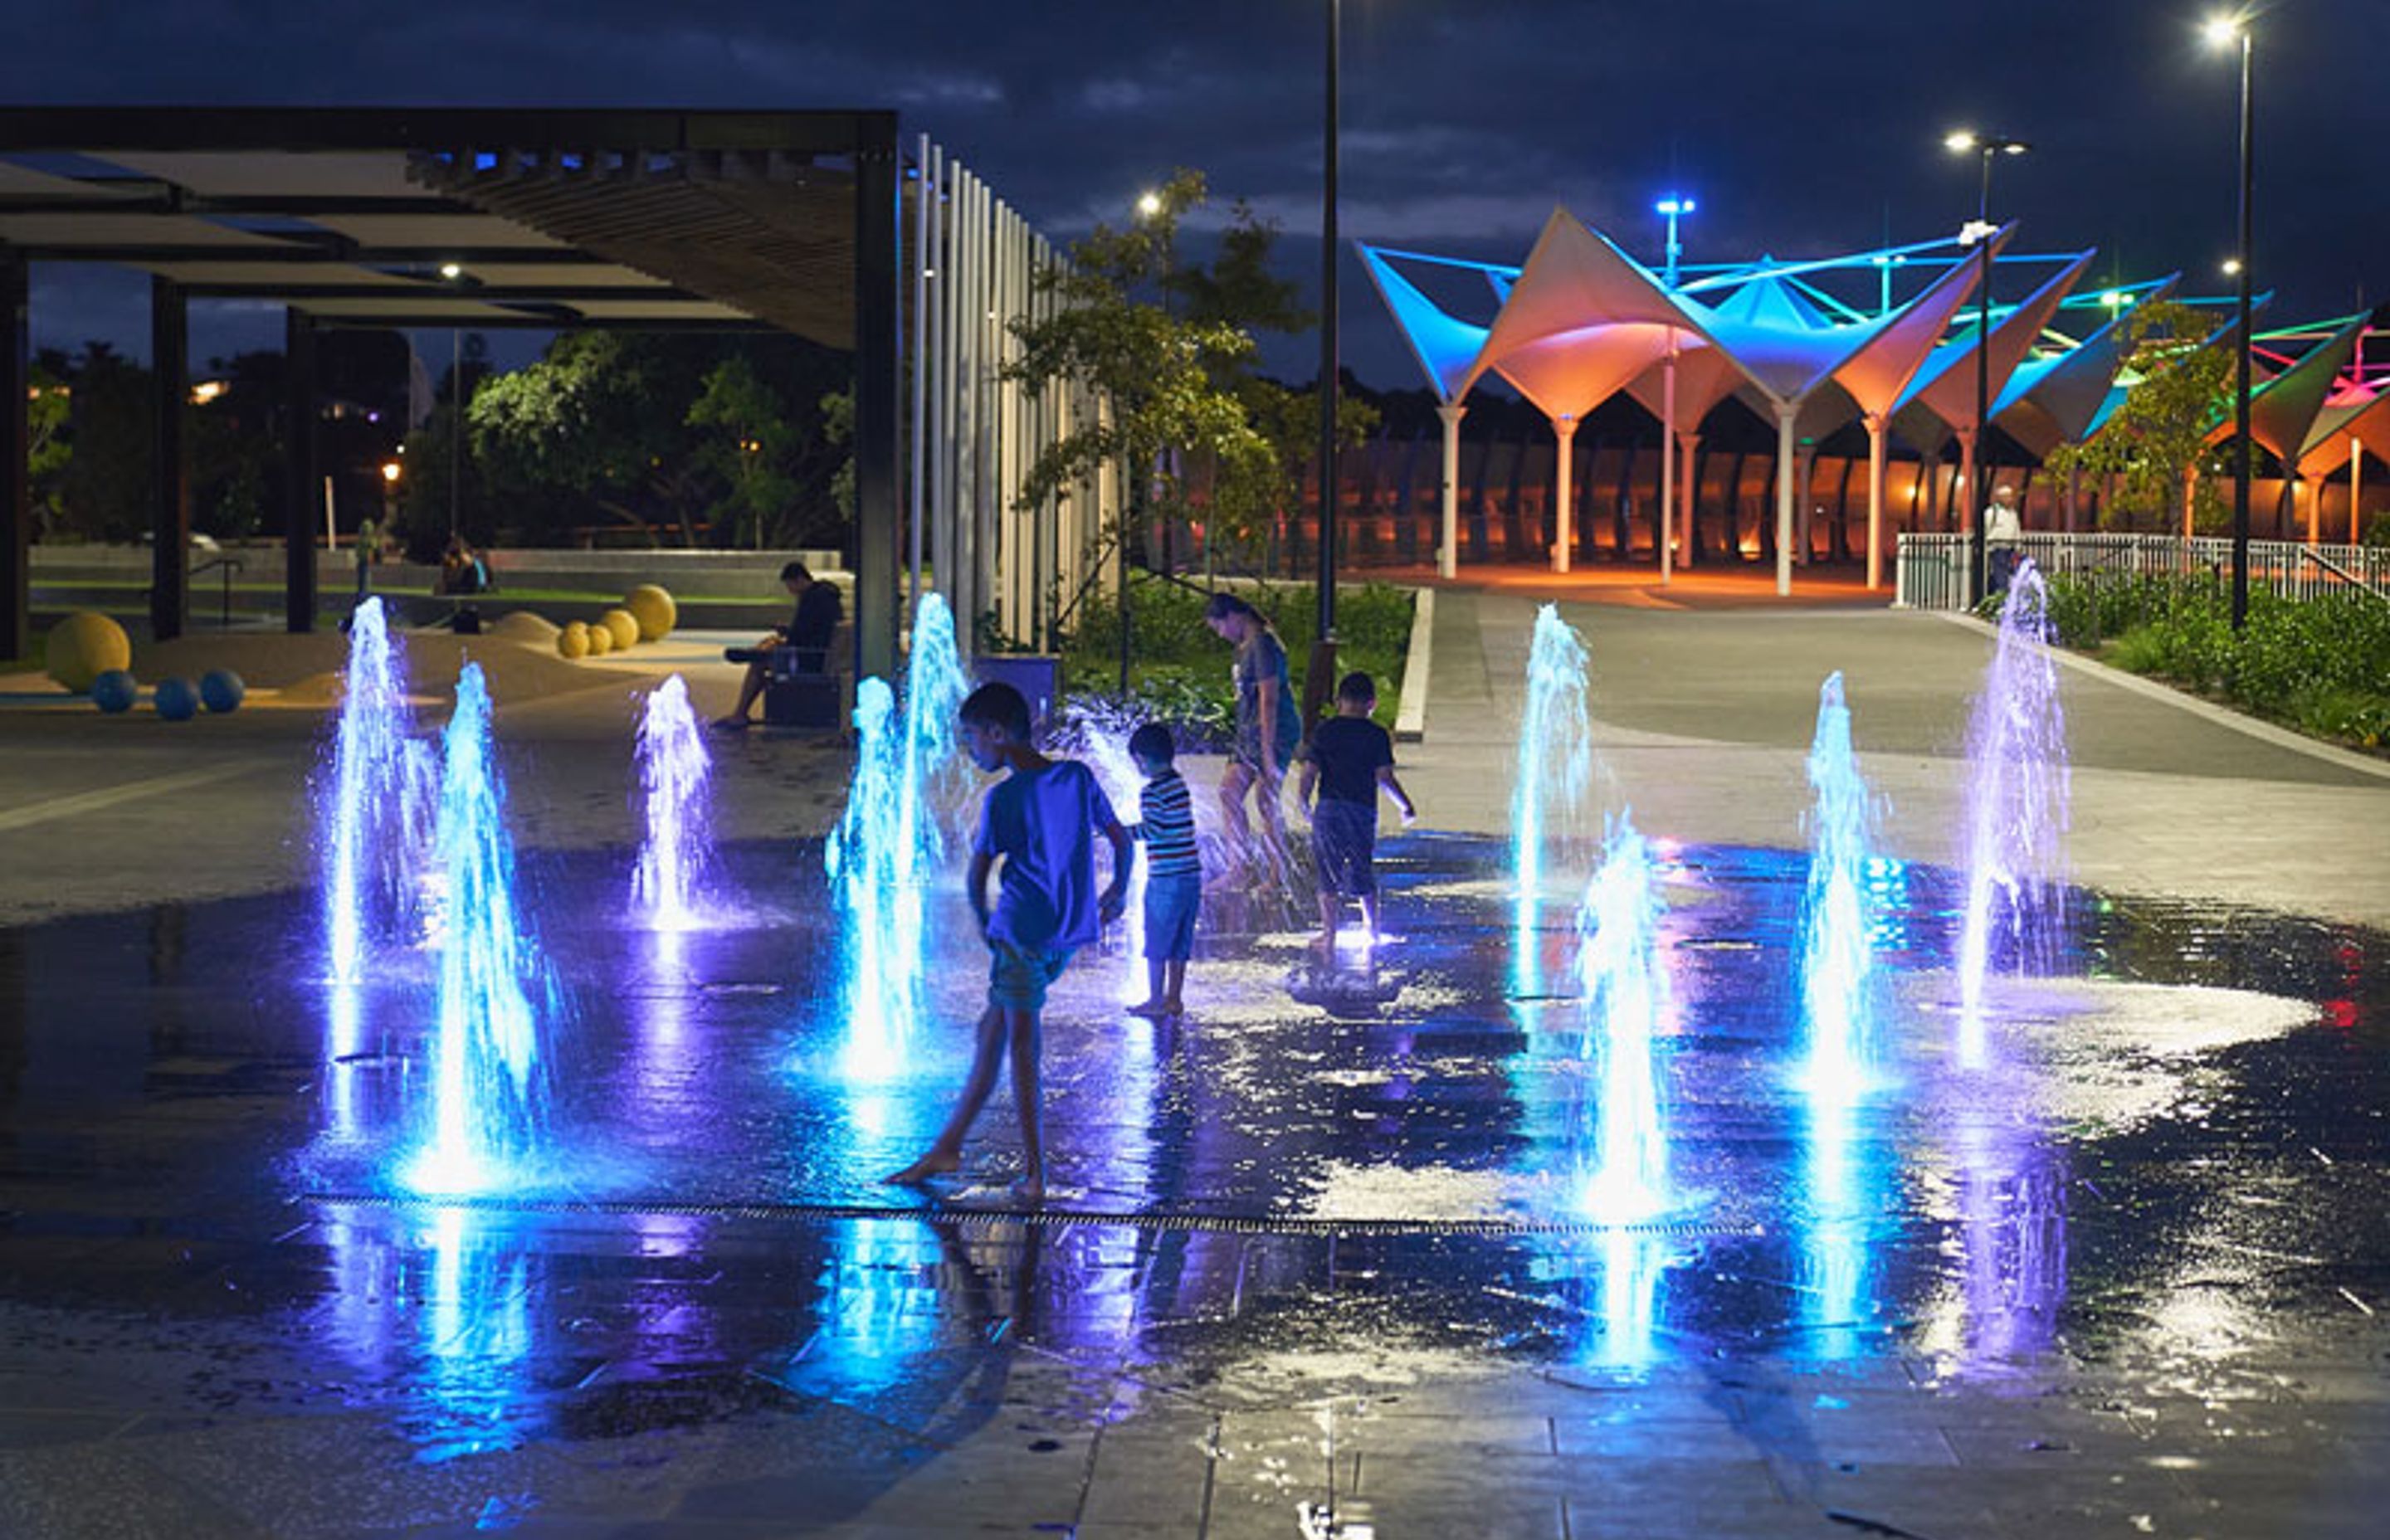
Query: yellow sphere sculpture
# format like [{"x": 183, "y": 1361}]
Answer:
[
  {"x": 624, "y": 627},
  {"x": 651, "y": 605},
  {"x": 573, "y": 640},
  {"x": 601, "y": 640},
  {"x": 84, "y": 646}
]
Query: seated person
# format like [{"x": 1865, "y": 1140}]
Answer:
[
  {"x": 462, "y": 570},
  {"x": 805, "y": 639}
]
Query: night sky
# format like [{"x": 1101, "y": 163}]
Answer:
[{"x": 1801, "y": 130}]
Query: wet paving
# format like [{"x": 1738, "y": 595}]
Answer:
[{"x": 1314, "y": 1259}]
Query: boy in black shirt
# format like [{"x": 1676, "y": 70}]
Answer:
[{"x": 1350, "y": 758}]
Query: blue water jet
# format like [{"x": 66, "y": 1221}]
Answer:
[
  {"x": 489, "y": 1088},
  {"x": 933, "y": 781},
  {"x": 675, "y": 782},
  {"x": 373, "y": 802},
  {"x": 1097, "y": 736},
  {"x": 1626, "y": 991},
  {"x": 1838, "y": 972},
  {"x": 869, "y": 857},
  {"x": 2016, "y": 809},
  {"x": 1553, "y": 776}
]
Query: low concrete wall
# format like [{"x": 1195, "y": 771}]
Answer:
[{"x": 701, "y": 574}]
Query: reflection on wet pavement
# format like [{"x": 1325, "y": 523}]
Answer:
[{"x": 1318, "y": 1247}]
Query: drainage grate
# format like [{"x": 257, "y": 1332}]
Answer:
[{"x": 1046, "y": 1218}]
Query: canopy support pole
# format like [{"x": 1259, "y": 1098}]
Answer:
[
  {"x": 1564, "y": 434},
  {"x": 1448, "y": 555},
  {"x": 1876, "y": 429},
  {"x": 1784, "y": 412}
]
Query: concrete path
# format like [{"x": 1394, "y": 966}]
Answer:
[{"x": 1704, "y": 719}]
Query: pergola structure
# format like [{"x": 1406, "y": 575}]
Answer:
[
  {"x": 1581, "y": 320},
  {"x": 470, "y": 218}
]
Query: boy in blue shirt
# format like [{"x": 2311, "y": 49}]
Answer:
[
  {"x": 1351, "y": 758},
  {"x": 1038, "y": 821},
  {"x": 1174, "y": 871}
]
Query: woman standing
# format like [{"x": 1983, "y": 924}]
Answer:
[{"x": 1268, "y": 726}]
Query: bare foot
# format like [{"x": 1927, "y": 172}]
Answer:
[
  {"x": 1030, "y": 1190},
  {"x": 731, "y": 724},
  {"x": 1174, "y": 1007},
  {"x": 1153, "y": 1011},
  {"x": 937, "y": 1162}
]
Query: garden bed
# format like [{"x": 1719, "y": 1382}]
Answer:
[
  {"x": 1179, "y": 671},
  {"x": 2320, "y": 666}
]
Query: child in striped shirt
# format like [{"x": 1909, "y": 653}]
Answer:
[{"x": 1174, "y": 871}]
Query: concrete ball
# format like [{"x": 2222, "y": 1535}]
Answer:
[
  {"x": 653, "y": 606},
  {"x": 114, "y": 691},
  {"x": 84, "y": 646},
  {"x": 601, "y": 640},
  {"x": 176, "y": 700},
  {"x": 624, "y": 627},
  {"x": 222, "y": 690},
  {"x": 573, "y": 641}
]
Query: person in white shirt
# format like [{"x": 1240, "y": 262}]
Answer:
[{"x": 2003, "y": 531}]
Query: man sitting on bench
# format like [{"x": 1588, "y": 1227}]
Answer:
[{"x": 800, "y": 647}]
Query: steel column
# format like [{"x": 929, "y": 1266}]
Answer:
[
  {"x": 170, "y": 487},
  {"x": 878, "y": 393},
  {"x": 16, "y": 459},
  {"x": 299, "y": 470}
]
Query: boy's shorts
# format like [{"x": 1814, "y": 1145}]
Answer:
[
  {"x": 1345, "y": 845},
  {"x": 1018, "y": 979},
  {"x": 1171, "y": 902}
]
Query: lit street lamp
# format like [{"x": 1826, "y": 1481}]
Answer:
[
  {"x": 1673, "y": 206},
  {"x": 1980, "y": 232},
  {"x": 2222, "y": 32}
]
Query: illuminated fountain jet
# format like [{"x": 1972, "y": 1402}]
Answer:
[
  {"x": 1838, "y": 973},
  {"x": 489, "y": 1078},
  {"x": 1626, "y": 992},
  {"x": 2016, "y": 810},
  {"x": 1554, "y": 775},
  {"x": 373, "y": 802},
  {"x": 675, "y": 785}
]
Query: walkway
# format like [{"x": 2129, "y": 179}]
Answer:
[{"x": 1704, "y": 717}]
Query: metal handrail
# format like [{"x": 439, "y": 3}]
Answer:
[
  {"x": 231, "y": 564},
  {"x": 2336, "y": 570}
]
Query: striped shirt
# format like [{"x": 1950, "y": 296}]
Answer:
[{"x": 1166, "y": 824}]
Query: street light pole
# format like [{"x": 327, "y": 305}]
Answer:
[
  {"x": 2226, "y": 29},
  {"x": 1987, "y": 145},
  {"x": 1978, "y": 548},
  {"x": 1672, "y": 207},
  {"x": 1327, "y": 349}
]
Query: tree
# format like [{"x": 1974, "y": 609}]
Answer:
[
  {"x": 1171, "y": 349},
  {"x": 652, "y": 428},
  {"x": 579, "y": 418},
  {"x": 2156, "y": 442},
  {"x": 53, "y": 448},
  {"x": 104, "y": 490},
  {"x": 747, "y": 444}
]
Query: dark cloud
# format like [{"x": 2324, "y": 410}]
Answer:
[{"x": 1802, "y": 129}]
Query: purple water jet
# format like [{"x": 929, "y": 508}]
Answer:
[
  {"x": 675, "y": 780},
  {"x": 2016, "y": 809}
]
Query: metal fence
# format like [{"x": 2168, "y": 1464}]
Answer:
[{"x": 1931, "y": 569}]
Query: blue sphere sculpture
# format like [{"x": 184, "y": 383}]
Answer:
[
  {"x": 114, "y": 691},
  {"x": 176, "y": 700},
  {"x": 223, "y": 690}
]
